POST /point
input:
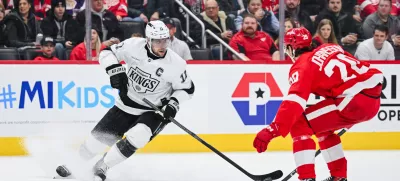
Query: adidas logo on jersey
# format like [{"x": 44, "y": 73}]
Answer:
[{"x": 142, "y": 81}]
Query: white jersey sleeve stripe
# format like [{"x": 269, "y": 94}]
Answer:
[
  {"x": 344, "y": 102},
  {"x": 367, "y": 84},
  {"x": 295, "y": 98},
  {"x": 320, "y": 112}
]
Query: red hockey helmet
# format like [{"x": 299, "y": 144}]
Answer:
[{"x": 297, "y": 38}]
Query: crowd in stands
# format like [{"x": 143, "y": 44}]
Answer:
[{"x": 369, "y": 29}]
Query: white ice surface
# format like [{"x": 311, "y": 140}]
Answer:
[{"x": 362, "y": 166}]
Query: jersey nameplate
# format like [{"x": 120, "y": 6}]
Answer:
[{"x": 321, "y": 55}]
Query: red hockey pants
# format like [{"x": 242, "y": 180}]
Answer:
[{"x": 322, "y": 119}]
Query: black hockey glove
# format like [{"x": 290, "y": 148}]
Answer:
[
  {"x": 118, "y": 77},
  {"x": 170, "y": 109}
]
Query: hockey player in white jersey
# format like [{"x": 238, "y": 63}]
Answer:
[{"x": 153, "y": 71}]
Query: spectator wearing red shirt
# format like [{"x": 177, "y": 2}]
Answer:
[
  {"x": 368, "y": 7},
  {"x": 253, "y": 44},
  {"x": 118, "y": 7},
  {"x": 79, "y": 52},
  {"x": 48, "y": 48}
]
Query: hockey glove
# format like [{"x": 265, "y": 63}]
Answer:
[
  {"x": 264, "y": 137},
  {"x": 170, "y": 109},
  {"x": 118, "y": 77}
]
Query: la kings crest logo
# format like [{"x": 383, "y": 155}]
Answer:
[{"x": 141, "y": 81}]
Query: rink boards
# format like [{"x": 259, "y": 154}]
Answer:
[{"x": 231, "y": 104}]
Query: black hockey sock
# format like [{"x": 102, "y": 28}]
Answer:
[
  {"x": 119, "y": 152},
  {"x": 126, "y": 148}
]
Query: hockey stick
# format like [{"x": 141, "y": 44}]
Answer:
[
  {"x": 291, "y": 174},
  {"x": 266, "y": 177}
]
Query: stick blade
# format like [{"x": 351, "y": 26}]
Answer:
[{"x": 269, "y": 176}]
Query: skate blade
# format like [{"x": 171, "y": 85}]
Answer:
[{"x": 71, "y": 177}]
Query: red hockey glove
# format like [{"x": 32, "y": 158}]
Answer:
[{"x": 264, "y": 137}]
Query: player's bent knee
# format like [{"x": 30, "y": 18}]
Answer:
[
  {"x": 331, "y": 137},
  {"x": 139, "y": 135},
  {"x": 151, "y": 120},
  {"x": 126, "y": 148}
]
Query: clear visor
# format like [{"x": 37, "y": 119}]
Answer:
[
  {"x": 289, "y": 52},
  {"x": 160, "y": 43}
]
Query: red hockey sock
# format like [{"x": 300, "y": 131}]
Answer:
[
  {"x": 332, "y": 151},
  {"x": 304, "y": 156}
]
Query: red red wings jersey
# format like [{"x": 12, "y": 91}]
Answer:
[
  {"x": 371, "y": 6},
  {"x": 118, "y": 7},
  {"x": 269, "y": 4},
  {"x": 327, "y": 71}
]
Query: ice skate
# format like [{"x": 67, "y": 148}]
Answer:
[
  {"x": 308, "y": 179},
  {"x": 100, "y": 169},
  {"x": 62, "y": 172},
  {"x": 331, "y": 178}
]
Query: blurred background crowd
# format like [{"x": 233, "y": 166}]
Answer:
[{"x": 200, "y": 29}]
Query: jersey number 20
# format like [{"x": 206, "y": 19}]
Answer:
[{"x": 341, "y": 64}]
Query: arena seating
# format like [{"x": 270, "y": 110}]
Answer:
[
  {"x": 201, "y": 54},
  {"x": 130, "y": 27},
  {"x": 30, "y": 53},
  {"x": 9, "y": 54}
]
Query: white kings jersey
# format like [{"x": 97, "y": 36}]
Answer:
[{"x": 150, "y": 77}]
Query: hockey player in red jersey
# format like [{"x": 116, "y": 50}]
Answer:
[{"x": 351, "y": 89}]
